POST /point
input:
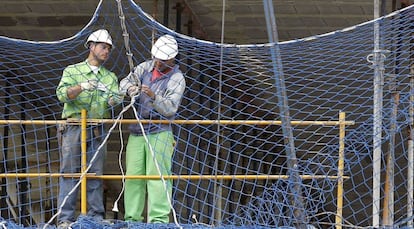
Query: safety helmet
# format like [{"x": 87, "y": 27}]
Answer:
[
  {"x": 165, "y": 48},
  {"x": 101, "y": 35}
]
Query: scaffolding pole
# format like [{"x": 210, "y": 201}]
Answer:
[
  {"x": 377, "y": 61},
  {"x": 295, "y": 180}
]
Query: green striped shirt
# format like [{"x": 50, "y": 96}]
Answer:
[{"x": 95, "y": 101}]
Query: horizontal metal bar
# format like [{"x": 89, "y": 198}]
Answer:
[
  {"x": 182, "y": 122},
  {"x": 166, "y": 177}
]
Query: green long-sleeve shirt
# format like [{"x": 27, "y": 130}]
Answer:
[{"x": 94, "y": 101}]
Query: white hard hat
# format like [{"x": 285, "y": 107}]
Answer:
[
  {"x": 165, "y": 48},
  {"x": 101, "y": 35}
]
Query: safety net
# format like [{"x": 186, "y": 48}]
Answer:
[{"x": 313, "y": 132}]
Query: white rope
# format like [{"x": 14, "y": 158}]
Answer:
[
  {"x": 131, "y": 66},
  {"x": 3, "y": 224},
  {"x": 115, "y": 208}
]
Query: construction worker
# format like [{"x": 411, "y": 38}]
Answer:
[
  {"x": 158, "y": 86},
  {"x": 90, "y": 86}
]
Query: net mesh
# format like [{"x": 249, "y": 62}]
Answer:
[{"x": 245, "y": 172}]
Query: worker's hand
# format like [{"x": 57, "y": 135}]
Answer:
[
  {"x": 89, "y": 85},
  {"x": 147, "y": 90},
  {"x": 115, "y": 100},
  {"x": 133, "y": 91}
]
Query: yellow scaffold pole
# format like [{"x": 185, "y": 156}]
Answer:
[
  {"x": 340, "y": 188},
  {"x": 178, "y": 122},
  {"x": 83, "y": 161},
  {"x": 168, "y": 177}
]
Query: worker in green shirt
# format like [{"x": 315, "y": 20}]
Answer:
[{"x": 85, "y": 85}]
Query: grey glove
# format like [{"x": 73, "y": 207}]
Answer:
[{"x": 102, "y": 87}]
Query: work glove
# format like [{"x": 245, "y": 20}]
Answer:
[
  {"x": 115, "y": 100},
  {"x": 89, "y": 85},
  {"x": 101, "y": 87},
  {"x": 133, "y": 90}
]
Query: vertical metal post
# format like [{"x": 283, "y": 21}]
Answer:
[
  {"x": 341, "y": 159},
  {"x": 218, "y": 192},
  {"x": 179, "y": 9},
  {"x": 294, "y": 178},
  {"x": 388, "y": 213},
  {"x": 377, "y": 125},
  {"x": 166, "y": 12}
]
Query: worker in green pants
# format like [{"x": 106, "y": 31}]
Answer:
[
  {"x": 157, "y": 85},
  {"x": 159, "y": 207}
]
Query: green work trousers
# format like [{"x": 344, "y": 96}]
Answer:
[{"x": 140, "y": 161}]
